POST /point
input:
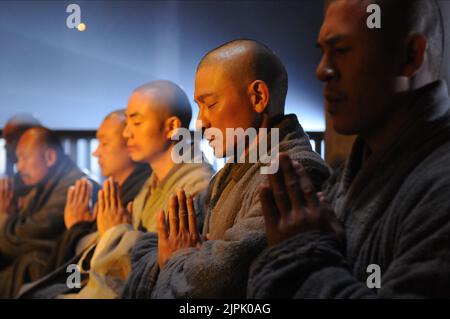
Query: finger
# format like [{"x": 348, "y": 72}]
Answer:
[
  {"x": 88, "y": 194},
  {"x": 163, "y": 233},
  {"x": 119, "y": 195},
  {"x": 307, "y": 188},
  {"x": 6, "y": 185},
  {"x": 192, "y": 218},
  {"x": 173, "y": 215},
  {"x": 77, "y": 189},
  {"x": 112, "y": 192},
  {"x": 292, "y": 184},
  {"x": 70, "y": 193},
  {"x": 182, "y": 211},
  {"x": 101, "y": 202},
  {"x": 1, "y": 188},
  {"x": 82, "y": 189},
  {"x": 276, "y": 182},
  {"x": 269, "y": 207},
  {"x": 106, "y": 195},
  {"x": 130, "y": 208},
  {"x": 323, "y": 199}
]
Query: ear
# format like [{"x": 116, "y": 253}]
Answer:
[
  {"x": 416, "y": 48},
  {"x": 259, "y": 95},
  {"x": 172, "y": 124},
  {"x": 50, "y": 157}
]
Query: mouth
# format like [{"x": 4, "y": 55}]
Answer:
[{"x": 333, "y": 99}]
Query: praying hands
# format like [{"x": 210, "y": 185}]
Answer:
[
  {"x": 291, "y": 205},
  {"x": 111, "y": 211},
  {"x": 77, "y": 204},
  {"x": 182, "y": 229},
  {"x": 6, "y": 195}
]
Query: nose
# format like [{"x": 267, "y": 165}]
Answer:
[
  {"x": 202, "y": 119},
  {"x": 126, "y": 132},
  {"x": 19, "y": 165},
  {"x": 96, "y": 152},
  {"x": 325, "y": 71}
]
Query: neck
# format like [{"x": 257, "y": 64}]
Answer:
[
  {"x": 383, "y": 135},
  {"x": 122, "y": 176},
  {"x": 162, "y": 164},
  {"x": 265, "y": 121}
]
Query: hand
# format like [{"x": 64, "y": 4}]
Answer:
[
  {"x": 291, "y": 205},
  {"x": 183, "y": 231},
  {"x": 77, "y": 203},
  {"x": 6, "y": 195},
  {"x": 111, "y": 211}
]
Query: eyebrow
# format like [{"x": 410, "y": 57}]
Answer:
[
  {"x": 133, "y": 115},
  {"x": 202, "y": 97},
  {"x": 332, "y": 40}
]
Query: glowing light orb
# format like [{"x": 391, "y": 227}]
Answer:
[{"x": 81, "y": 27}]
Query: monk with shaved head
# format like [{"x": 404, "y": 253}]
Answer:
[
  {"x": 154, "y": 113},
  {"x": 241, "y": 85},
  {"x": 28, "y": 234}
]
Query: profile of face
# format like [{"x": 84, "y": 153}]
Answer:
[
  {"x": 34, "y": 160},
  {"x": 356, "y": 69},
  {"x": 146, "y": 133},
  {"x": 223, "y": 104},
  {"x": 111, "y": 151}
]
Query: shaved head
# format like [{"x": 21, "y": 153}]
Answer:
[
  {"x": 155, "y": 111},
  {"x": 245, "y": 61},
  {"x": 13, "y": 130},
  {"x": 42, "y": 137},
  {"x": 38, "y": 151},
  {"x": 166, "y": 99}
]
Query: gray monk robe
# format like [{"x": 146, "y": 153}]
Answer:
[
  {"x": 104, "y": 263},
  {"x": 235, "y": 226},
  {"x": 27, "y": 236},
  {"x": 395, "y": 207}
]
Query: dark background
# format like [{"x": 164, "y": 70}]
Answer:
[{"x": 72, "y": 79}]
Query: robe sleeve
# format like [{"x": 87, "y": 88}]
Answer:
[
  {"x": 21, "y": 234},
  {"x": 312, "y": 265},
  {"x": 218, "y": 269}
]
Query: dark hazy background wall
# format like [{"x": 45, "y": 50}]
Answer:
[{"x": 71, "y": 79}]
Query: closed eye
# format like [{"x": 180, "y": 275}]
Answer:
[
  {"x": 342, "y": 50},
  {"x": 211, "y": 105}
]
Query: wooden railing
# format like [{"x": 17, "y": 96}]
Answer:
[{"x": 79, "y": 145}]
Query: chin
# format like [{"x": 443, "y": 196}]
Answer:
[
  {"x": 29, "y": 183},
  {"x": 136, "y": 157},
  {"x": 341, "y": 127}
]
